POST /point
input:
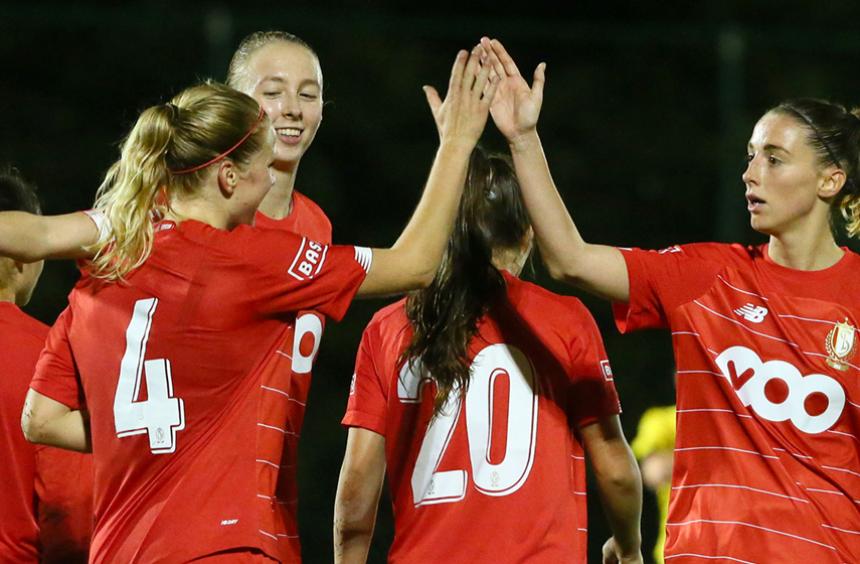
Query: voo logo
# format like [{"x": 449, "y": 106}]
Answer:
[{"x": 749, "y": 377}]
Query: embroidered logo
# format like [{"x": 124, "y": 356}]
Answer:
[
  {"x": 752, "y": 313},
  {"x": 607, "y": 370},
  {"x": 840, "y": 344}
]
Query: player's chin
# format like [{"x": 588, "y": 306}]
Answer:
[
  {"x": 761, "y": 225},
  {"x": 287, "y": 156}
]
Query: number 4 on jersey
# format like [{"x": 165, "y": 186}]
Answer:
[{"x": 161, "y": 415}]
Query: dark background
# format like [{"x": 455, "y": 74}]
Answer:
[{"x": 646, "y": 116}]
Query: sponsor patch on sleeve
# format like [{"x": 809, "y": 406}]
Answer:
[{"x": 309, "y": 260}]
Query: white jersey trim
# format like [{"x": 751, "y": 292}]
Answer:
[
  {"x": 102, "y": 224},
  {"x": 364, "y": 257}
]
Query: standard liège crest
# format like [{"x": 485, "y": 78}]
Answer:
[{"x": 840, "y": 344}]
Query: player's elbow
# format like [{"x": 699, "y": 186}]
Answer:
[
  {"x": 420, "y": 272},
  {"x": 33, "y": 425},
  {"x": 622, "y": 477},
  {"x": 353, "y": 523}
]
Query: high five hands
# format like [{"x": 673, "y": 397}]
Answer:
[
  {"x": 516, "y": 106},
  {"x": 461, "y": 117}
]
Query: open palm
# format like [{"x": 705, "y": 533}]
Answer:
[{"x": 516, "y": 106}]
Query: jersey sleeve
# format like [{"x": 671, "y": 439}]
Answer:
[
  {"x": 367, "y": 404},
  {"x": 661, "y": 281},
  {"x": 295, "y": 273},
  {"x": 592, "y": 391},
  {"x": 56, "y": 375}
]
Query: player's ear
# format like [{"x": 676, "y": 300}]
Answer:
[{"x": 228, "y": 178}]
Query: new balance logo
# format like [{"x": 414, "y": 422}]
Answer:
[
  {"x": 227, "y": 522},
  {"x": 752, "y": 313}
]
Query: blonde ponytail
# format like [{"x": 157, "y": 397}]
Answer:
[{"x": 167, "y": 154}]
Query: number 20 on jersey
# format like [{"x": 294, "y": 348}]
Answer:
[{"x": 430, "y": 486}]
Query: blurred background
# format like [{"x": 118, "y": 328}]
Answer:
[{"x": 647, "y": 111}]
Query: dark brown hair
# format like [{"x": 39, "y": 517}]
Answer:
[
  {"x": 16, "y": 194},
  {"x": 445, "y": 315}
]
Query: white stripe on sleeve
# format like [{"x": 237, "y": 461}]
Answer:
[
  {"x": 102, "y": 224},
  {"x": 364, "y": 257}
]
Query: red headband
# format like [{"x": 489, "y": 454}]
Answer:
[{"x": 217, "y": 158}]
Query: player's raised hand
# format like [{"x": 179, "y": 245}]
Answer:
[
  {"x": 612, "y": 554},
  {"x": 461, "y": 117},
  {"x": 516, "y": 106}
]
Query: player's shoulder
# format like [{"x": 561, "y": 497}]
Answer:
[
  {"x": 241, "y": 241},
  {"x": 548, "y": 311},
  {"x": 551, "y": 307},
  {"x": 309, "y": 206},
  {"x": 718, "y": 252},
  {"x": 315, "y": 213},
  {"x": 389, "y": 319},
  {"x": 22, "y": 326}
]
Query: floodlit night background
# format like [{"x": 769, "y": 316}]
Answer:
[{"x": 648, "y": 107}]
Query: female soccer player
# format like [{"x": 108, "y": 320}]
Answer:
[
  {"x": 478, "y": 395},
  {"x": 47, "y": 492},
  {"x": 768, "y": 400},
  {"x": 173, "y": 335}
]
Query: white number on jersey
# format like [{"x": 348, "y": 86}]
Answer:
[
  {"x": 504, "y": 478},
  {"x": 161, "y": 415}
]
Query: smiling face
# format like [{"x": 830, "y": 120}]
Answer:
[
  {"x": 286, "y": 79},
  {"x": 784, "y": 179}
]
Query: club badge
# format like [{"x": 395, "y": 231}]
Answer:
[{"x": 840, "y": 344}]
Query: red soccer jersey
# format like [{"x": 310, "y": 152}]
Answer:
[
  {"x": 767, "y": 465},
  {"x": 45, "y": 502},
  {"x": 501, "y": 479},
  {"x": 306, "y": 218},
  {"x": 175, "y": 365}
]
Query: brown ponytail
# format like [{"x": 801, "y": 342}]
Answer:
[{"x": 445, "y": 315}]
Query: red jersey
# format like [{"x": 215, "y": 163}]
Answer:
[
  {"x": 767, "y": 464},
  {"x": 45, "y": 502},
  {"x": 174, "y": 365},
  {"x": 306, "y": 218},
  {"x": 501, "y": 478}
]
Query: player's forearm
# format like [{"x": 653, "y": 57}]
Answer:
[
  {"x": 423, "y": 241},
  {"x": 620, "y": 487},
  {"x": 560, "y": 243},
  {"x": 411, "y": 263},
  {"x": 598, "y": 269},
  {"x": 354, "y": 513},
  {"x": 29, "y": 237}
]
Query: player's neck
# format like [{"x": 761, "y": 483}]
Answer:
[
  {"x": 278, "y": 203},
  {"x": 200, "y": 210},
  {"x": 8, "y": 295},
  {"x": 801, "y": 252}
]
